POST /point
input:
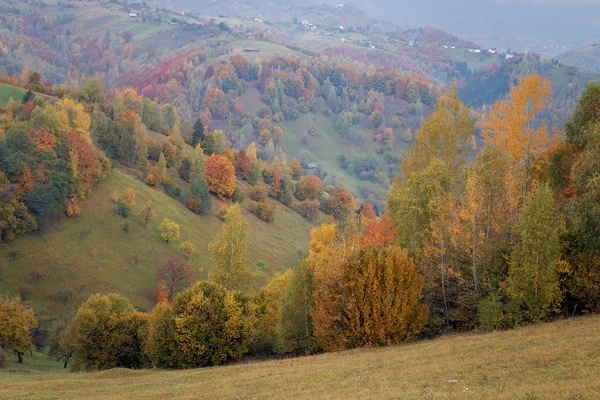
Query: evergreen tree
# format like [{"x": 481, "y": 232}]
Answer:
[
  {"x": 28, "y": 96},
  {"x": 198, "y": 132}
]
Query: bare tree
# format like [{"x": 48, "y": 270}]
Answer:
[{"x": 176, "y": 273}]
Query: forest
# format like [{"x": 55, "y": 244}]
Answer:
[{"x": 303, "y": 200}]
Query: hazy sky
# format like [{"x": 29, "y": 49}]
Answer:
[{"x": 568, "y": 20}]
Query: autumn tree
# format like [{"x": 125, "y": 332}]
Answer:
[
  {"x": 205, "y": 325},
  {"x": 533, "y": 276},
  {"x": 169, "y": 230},
  {"x": 384, "y": 293},
  {"x": 509, "y": 127},
  {"x": 15, "y": 330},
  {"x": 444, "y": 135},
  {"x": 176, "y": 273},
  {"x": 133, "y": 148},
  {"x": 220, "y": 176},
  {"x": 106, "y": 333},
  {"x": 297, "y": 171},
  {"x": 128, "y": 197},
  {"x": 147, "y": 214},
  {"x": 188, "y": 248},
  {"x": 268, "y": 313},
  {"x": 309, "y": 187},
  {"x": 228, "y": 251},
  {"x": 341, "y": 205},
  {"x": 243, "y": 166}
]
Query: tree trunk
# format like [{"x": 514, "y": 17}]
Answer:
[{"x": 20, "y": 357}]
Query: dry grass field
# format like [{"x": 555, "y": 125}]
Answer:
[{"x": 559, "y": 360}]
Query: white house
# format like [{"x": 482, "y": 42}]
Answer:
[
  {"x": 132, "y": 15},
  {"x": 509, "y": 56}
]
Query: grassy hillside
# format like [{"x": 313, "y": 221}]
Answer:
[
  {"x": 112, "y": 260},
  {"x": 8, "y": 91},
  {"x": 550, "y": 361}
]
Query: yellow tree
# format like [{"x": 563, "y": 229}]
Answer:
[
  {"x": 383, "y": 293},
  {"x": 510, "y": 128},
  {"x": 128, "y": 197},
  {"x": 445, "y": 135},
  {"x": 228, "y": 251},
  {"x": 17, "y": 319},
  {"x": 169, "y": 230},
  {"x": 147, "y": 214}
]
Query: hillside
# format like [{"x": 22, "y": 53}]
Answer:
[
  {"x": 7, "y": 92},
  {"x": 65, "y": 269},
  {"x": 555, "y": 360},
  {"x": 586, "y": 58}
]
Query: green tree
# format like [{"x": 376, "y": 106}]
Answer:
[
  {"x": 198, "y": 197},
  {"x": 533, "y": 281},
  {"x": 106, "y": 333},
  {"x": 198, "y": 133},
  {"x": 295, "y": 326},
  {"x": 133, "y": 148},
  {"x": 228, "y": 251},
  {"x": 16, "y": 321}
]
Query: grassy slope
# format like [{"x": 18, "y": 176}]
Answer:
[
  {"x": 8, "y": 91},
  {"x": 103, "y": 261},
  {"x": 324, "y": 148},
  {"x": 557, "y": 360}
]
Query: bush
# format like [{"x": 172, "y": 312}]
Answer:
[
  {"x": 123, "y": 210},
  {"x": 238, "y": 195},
  {"x": 172, "y": 190},
  {"x": 264, "y": 211},
  {"x": 106, "y": 333},
  {"x": 213, "y": 326},
  {"x": 491, "y": 313},
  {"x": 125, "y": 227},
  {"x": 259, "y": 193}
]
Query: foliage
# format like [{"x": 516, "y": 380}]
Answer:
[
  {"x": 169, "y": 230},
  {"x": 228, "y": 251},
  {"x": 147, "y": 214},
  {"x": 106, "y": 333},
  {"x": 15, "y": 330},
  {"x": 220, "y": 176},
  {"x": 533, "y": 276},
  {"x": 206, "y": 325},
  {"x": 188, "y": 248},
  {"x": 175, "y": 272},
  {"x": 268, "y": 313},
  {"x": 309, "y": 187},
  {"x": 295, "y": 326}
]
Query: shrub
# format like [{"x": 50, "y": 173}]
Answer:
[
  {"x": 206, "y": 325},
  {"x": 123, "y": 210},
  {"x": 106, "y": 333},
  {"x": 491, "y": 313}
]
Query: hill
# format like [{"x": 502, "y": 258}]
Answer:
[
  {"x": 7, "y": 92},
  {"x": 586, "y": 58},
  {"x": 65, "y": 269},
  {"x": 554, "y": 360}
]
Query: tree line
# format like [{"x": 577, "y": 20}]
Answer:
[{"x": 490, "y": 240}]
